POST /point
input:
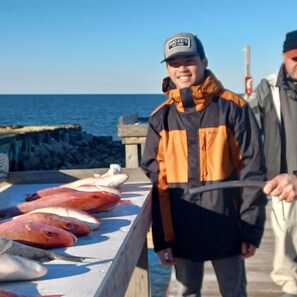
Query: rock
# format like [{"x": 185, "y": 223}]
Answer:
[{"x": 71, "y": 150}]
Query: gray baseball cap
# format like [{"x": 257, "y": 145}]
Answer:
[{"x": 183, "y": 44}]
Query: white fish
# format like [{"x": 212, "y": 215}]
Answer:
[
  {"x": 113, "y": 181},
  {"x": 106, "y": 182},
  {"x": 12, "y": 247},
  {"x": 81, "y": 215},
  {"x": 113, "y": 169},
  {"x": 16, "y": 268},
  {"x": 96, "y": 188}
]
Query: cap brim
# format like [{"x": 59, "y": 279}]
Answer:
[
  {"x": 180, "y": 54},
  {"x": 291, "y": 54}
]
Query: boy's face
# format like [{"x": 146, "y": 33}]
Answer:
[{"x": 186, "y": 71}]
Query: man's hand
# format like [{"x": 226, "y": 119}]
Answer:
[
  {"x": 247, "y": 250},
  {"x": 283, "y": 186},
  {"x": 166, "y": 257}
]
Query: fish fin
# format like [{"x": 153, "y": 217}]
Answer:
[
  {"x": 69, "y": 258},
  {"x": 6, "y": 247}
]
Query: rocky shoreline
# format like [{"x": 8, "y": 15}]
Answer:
[
  {"x": 65, "y": 148},
  {"x": 80, "y": 152}
]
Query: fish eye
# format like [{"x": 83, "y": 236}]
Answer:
[{"x": 50, "y": 234}]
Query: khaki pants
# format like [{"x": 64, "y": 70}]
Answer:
[{"x": 284, "y": 224}]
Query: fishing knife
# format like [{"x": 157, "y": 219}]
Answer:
[{"x": 226, "y": 185}]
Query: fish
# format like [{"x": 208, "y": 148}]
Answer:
[
  {"x": 96, "y": 188},
  {"x": 83, "y": 188},
  {"x": 113, "y": 169},
  {"x": 69, "y": 224},
  {"x": 37, "y": 234},
  {"x": 112, "y": 181},
  {"x": 90, "y": 202},
  {"x": 46, "y": 192},
  {"x": 81, "y": 215},
  {"x": 16, "y": 268},
  {"x": 86, "y": 184},
  {"x": 12, "y": 247},
  {"x": 5, "y": 293}
]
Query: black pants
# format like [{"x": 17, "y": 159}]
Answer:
[{"x": 188, "y": 277}]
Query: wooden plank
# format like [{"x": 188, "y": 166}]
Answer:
[
  {"x": 132, "y": 130},
  {"x": 131, "y": 152},
  {"x": 133, "y": 140},
  {"x": 139, "y": 284}
]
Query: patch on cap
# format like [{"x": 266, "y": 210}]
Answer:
[{"x": 179, "y": 41}]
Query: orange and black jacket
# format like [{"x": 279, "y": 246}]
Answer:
[{"x": 198, "y": 136}]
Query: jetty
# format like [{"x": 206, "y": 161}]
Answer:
[
  {"x": 17, "y": 142},
  {"x": 58, "y": 147}
]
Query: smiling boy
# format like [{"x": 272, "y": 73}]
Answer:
[{"x": 202, "y": 134}]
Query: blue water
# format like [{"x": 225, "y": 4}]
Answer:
[
  {"x": 97, "y": 114},
  {"x": 159, "y": 275}
]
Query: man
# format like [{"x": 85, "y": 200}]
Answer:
[
  {"x": 201, "y": 134},
  {"x": 275, "y": 106}
]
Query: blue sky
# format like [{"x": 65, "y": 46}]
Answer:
[{"x": 115, "y": 46}]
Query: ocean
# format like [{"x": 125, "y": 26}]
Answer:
[{"x": 97, "y": 115}]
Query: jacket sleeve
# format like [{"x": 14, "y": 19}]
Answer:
[
  {"x": 256, "y": 101},
  {"x": 253, "y": 203},
  {"x": 152, "y": 161}
]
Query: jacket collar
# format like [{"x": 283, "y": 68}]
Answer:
[{"x": 201, "y": 95}]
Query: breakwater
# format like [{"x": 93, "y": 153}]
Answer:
[{"x": 58, "y": 147}]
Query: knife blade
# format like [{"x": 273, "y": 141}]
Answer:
[{"x": 226, "y": 185}]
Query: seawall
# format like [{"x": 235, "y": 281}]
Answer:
[{"x": 58, "y": 147}]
